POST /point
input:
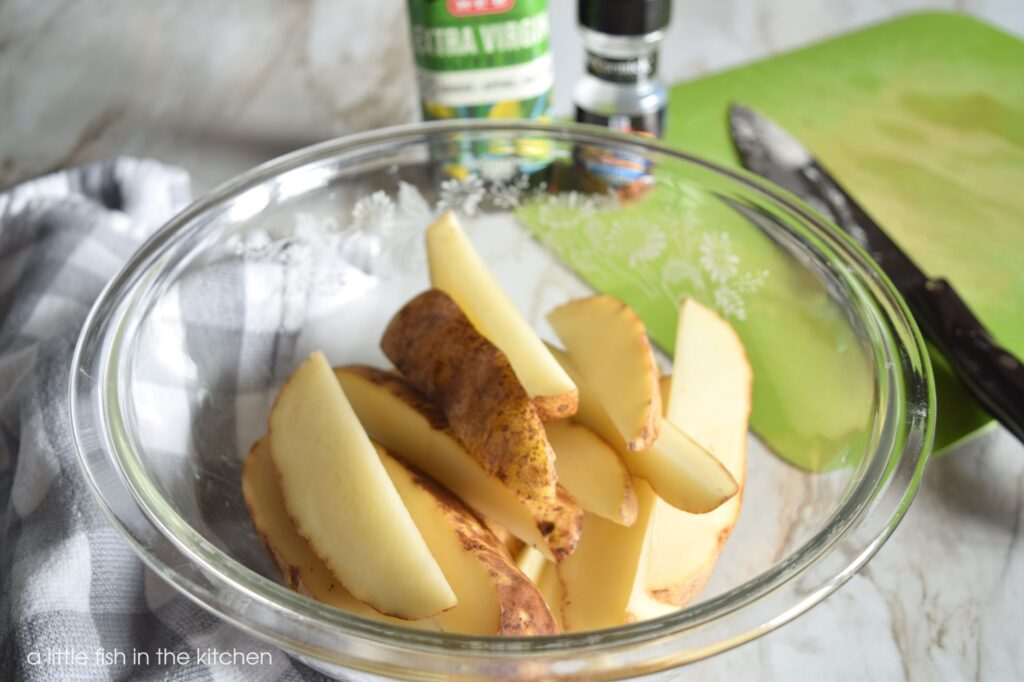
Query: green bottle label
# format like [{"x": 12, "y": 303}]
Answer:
[{"x": 482, "y": 58}]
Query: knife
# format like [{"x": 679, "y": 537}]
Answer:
[{"x": 991, "y": 373}]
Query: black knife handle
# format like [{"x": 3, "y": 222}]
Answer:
[{"x": 991, "y": 373}]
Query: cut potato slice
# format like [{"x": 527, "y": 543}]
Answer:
[
  {"x": 592, "y": 472},
  {"x": 599, "y": 578},
  {"x": 625, "y": 577},
  {"x": 609, "y": 345},
  {"x": 494, "y": 596},
  {"x": 343, "y": 503},
  {"x": 550, "y": 585},
  {"x": 685, "y": 474},
  {"x": 438, "y": 350},
  {"x": 457, "y": 269},
  {"x": 681, "y": 472},
  {"x": 403, "y": 420},
  {"x": 642, "y": 604},
  {"x": 709, "y": 398},
  {"x": 531, "y": 563},
  {"x": 301, "y": 569}
]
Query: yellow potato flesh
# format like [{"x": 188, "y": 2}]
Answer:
[
  {"x": 598, "y": 579},
  {"x": 608, "y": 343},
  {"x": 342, "y": 501},
  {"x": 550, "y": 585},
  {"x": 592, "y": 472},
  {"x": 642, "y": 605},
  {"x": 685, "y": 474},
  {"x": 531, "y": 563}
]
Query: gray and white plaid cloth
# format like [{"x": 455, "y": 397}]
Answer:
[{"x": 73, "y": 596}]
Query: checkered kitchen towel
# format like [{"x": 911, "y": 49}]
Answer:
[{"x": 74, "y": 599}]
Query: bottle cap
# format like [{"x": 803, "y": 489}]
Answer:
[{"x": 624, "y": 17}]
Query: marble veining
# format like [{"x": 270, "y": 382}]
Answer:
[{"x": 219, "y": 87}]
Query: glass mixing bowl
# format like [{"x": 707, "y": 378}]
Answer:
[{"x": 180, "y": 359}]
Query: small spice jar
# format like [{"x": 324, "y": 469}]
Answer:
[{"x": 620, "y": 89}]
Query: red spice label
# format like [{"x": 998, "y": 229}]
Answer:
[{"x": 472, "y": 8}]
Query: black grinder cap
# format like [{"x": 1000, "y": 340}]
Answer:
[{"x": 624, "y": 17}]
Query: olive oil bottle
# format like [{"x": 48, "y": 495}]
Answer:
[{"x": 482, "y": 58}]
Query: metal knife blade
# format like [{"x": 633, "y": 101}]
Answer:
[
  {"x": 990, "y": 373},
  {"x": 774, "y": 154}
]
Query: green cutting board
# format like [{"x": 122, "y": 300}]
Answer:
[{"x": 922, "y": 118}]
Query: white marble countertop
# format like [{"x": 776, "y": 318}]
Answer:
[{"x": 218, "y": 87}]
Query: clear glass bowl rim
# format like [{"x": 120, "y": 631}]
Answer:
[{"x": 269, "y": 610}]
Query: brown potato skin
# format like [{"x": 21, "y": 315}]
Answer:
[
  {"x": 523, "y": 609},
  {"x": 291, "y": 574},
  {"x": 435, "y": 346},
  {"x": 651, "y": 428},
  {"x": 554, "y": 407},
  {"x": 559, "y": 519}
]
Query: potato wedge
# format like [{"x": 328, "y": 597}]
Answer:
[
  {"x": 343, "y": 502},
  {"x": 681, "y": 472},
  {"x": 550, "y": 585},
  {"x": 642, "y": 604},
  {"x": 592, "y": 472},
  {"x": 599, "y": 578},
  {"x": 494, "y": 597},
  {"x": 531, "y": 562},
  {"x": 608, "y": 343},
  {"x": 457, "y": 269},
  {"x": 624, "y": 577},
  {"x": 709, "y": 398},
  {"x": 434, "y": 345},
  {"x": 301, "y": 569},
  {"x": 399, "y": 417},
  {"x": 684, "y": 473}
]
